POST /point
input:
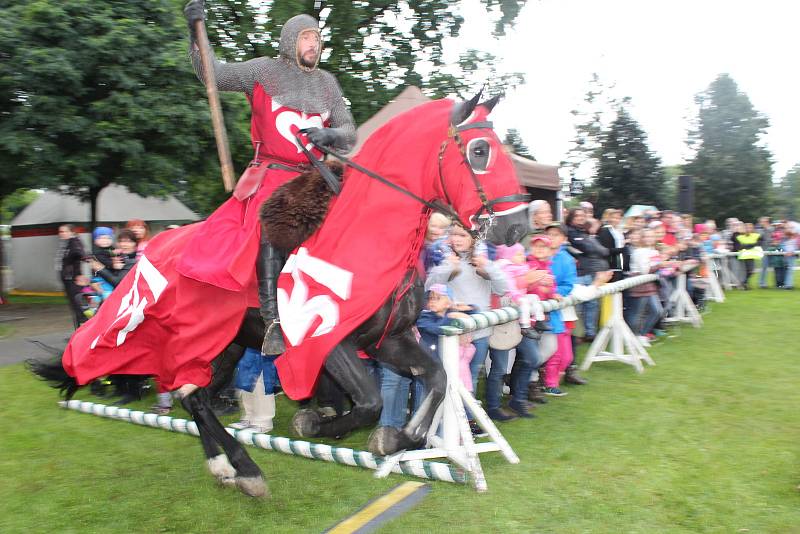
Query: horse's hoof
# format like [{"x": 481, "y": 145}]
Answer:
[
  {"x": 252, "y": 486},
  {"x": 305, "y": 423},
  {"x": 384, "y": 440},
  {"x": 222, "y": 470}
]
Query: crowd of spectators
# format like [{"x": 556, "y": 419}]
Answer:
[{"x": 529, "y": 362}]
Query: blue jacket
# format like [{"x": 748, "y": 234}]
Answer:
[
  {"x": 565, "y": 273},
  {"x": 429, "y": 325}
]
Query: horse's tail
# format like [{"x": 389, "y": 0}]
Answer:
[{"x": 52, "y": 372}]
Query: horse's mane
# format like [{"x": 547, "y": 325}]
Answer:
[{"x": 297, "y": 208}]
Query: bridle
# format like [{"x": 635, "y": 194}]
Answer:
[
  {"x": 487, "y": 205},
  {"x": 453, "y": 134}
]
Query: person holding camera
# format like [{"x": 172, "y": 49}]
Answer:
[{"x": 68, "y": 264}]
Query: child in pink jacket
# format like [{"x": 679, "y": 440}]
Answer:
[{"x": 512, "y": 262}]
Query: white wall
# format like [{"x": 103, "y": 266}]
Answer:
[{"x": 32, "y": 262}]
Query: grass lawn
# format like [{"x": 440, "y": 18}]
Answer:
[
  {"x": 706, "y": 441},
  {"x": 36, "y": 299}
]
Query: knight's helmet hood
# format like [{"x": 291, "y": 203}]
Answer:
[{"x": 289, "y": 35}]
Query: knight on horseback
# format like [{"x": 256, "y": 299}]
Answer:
[
  {"x": 287, "y": 94},
  {"x": 187, "y": 311}
]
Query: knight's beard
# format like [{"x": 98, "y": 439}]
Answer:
[{"x": 306, "y": 63}]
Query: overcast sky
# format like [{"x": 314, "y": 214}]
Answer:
[{"x": 660, "y": 53}]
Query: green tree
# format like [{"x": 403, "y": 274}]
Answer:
[
  {"x": 669, "y": 194},
  {"x": 103, "y": 92},
  {"x": 15, "y": 203},
  {"x": 514, "y": 140},
  {"x": 627, "y": 171},
  {"x": 732, "y": 169},
  {"x": 375, "y": 49},
  {"x": 592, "y": 118},
  {"x": 786, "y": 195}
]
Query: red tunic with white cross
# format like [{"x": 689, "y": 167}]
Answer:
[{"x": 223, "y": 251}]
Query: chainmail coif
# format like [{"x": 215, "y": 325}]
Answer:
[{"x": 286, "y": 81}]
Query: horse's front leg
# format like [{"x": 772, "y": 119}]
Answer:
[
  {"x": 406, "y": 355},
  {"x": 234, "y": 466}
]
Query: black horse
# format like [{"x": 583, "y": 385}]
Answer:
[{"x": 468, "y": 162}]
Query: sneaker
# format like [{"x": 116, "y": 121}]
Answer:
[
  {"x": 260, "y": 429},
  {"x": 554, "y": 392},
  {"x": 643, "y": 340},
  {"x": 477, "y": 431},
  {"x": 521, "y": 409},
  {"x": 499, "y": 415},
  {"x": 240, "y": 425}
]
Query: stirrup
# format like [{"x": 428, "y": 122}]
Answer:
[{"x": 273, "y": 340}]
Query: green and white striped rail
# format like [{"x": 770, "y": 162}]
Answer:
[
  {"x": 479, "y": 321},
  {"x": 315, "y": 451}
]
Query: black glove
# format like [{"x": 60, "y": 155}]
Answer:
[
  {"x": 323, "y": 136},
  {"x": 195, "y": 10}
]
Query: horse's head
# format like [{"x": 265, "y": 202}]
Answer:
[{"x": 477, "y": 177}]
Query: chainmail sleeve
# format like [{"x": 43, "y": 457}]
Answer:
[
  {"x": 239, "y": 77},
  {"x": 342, "y": 122}
]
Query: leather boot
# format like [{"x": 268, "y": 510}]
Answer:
[
  {"x": 572, "y": 377},
  {"x": 536, "y": 390},
  {"x": 268, "y": 266}
]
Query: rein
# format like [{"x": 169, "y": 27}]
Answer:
[
  {"x": 453, "y": 133},
  {"x": 319, "y": 166}
]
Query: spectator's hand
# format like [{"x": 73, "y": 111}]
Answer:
[
  {"x": 480, "y": 262},
  {"x": 548, "y": 280},
  {"x": 460, "y": 306},
  {"x": 457, "y": 315},
  {"x": 602, "y": 277},
  {"x": 533, "y": 277},
  {"x": 96, "y": 265}
]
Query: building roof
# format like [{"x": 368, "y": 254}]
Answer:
[
  {"x": 115, "y": 203},
  {"x": 534, "y": 174}
]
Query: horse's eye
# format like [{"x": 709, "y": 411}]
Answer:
[{"x": 478, "y": 154}]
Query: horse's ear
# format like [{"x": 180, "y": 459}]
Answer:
[
  {"x": 491, "y": 103},
  {"x": 462, "y": 110}
]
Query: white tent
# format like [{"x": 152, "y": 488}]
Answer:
[{"x": 34, "y": 231}]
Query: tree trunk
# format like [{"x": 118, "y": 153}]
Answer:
[
  {"x": 2, "y": 263},
  {"x": 93, "y": 193}
]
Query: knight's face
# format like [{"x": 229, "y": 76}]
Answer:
[{"x": 308, "y": 48}]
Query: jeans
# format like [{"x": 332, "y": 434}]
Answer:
[
  {"x": 494, "y": 382},
  {"x": 788, "y": 279},
  {"x": 528, "y": 359},
  {"x": 481, "y": 350},
  {"x": 589, "y": 310},
  {"x": 762, "y": 278},
  {"x": 394, "y": 392},
  {"x": 647, "y": 313}
]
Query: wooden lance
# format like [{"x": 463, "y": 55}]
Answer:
[{"x": 221, "y": 136}]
